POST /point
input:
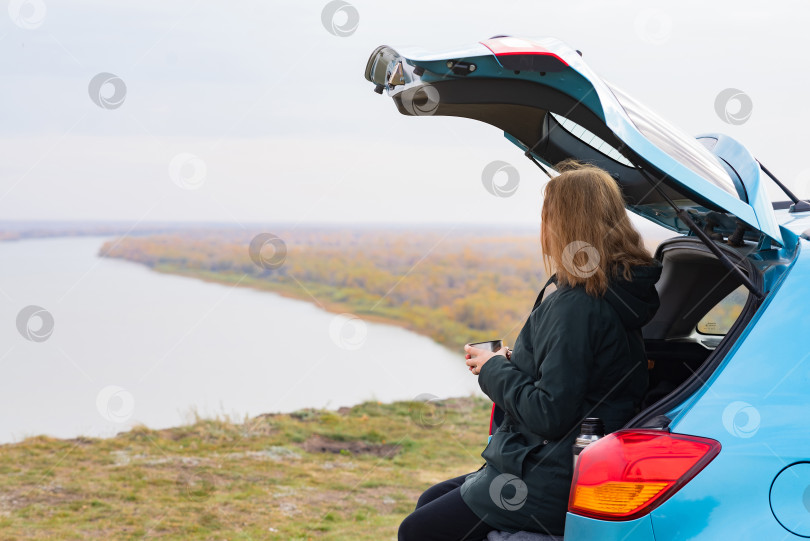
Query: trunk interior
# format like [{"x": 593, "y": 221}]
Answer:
[{"x": 704, "y": 307}]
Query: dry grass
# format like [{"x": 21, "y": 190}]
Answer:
[{"x": 353, "y": 474}]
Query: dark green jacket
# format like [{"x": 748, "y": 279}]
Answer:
[{"x": 577, "y": 356}]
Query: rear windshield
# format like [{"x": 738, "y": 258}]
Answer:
[{"x": 680, "y": 146}]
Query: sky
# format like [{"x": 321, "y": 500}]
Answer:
[{"x": 253, "y": 111}]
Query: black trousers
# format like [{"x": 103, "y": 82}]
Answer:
[{"x": 441, "y": 515}]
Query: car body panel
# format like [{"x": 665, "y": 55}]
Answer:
[
  {"x": 703, "y": 185},
  {"x": 578, "y": 528},
  {"x": 797, "y": 223},
  {"x": 702, "y": 511},
  {"x": 755, "y": 405}
]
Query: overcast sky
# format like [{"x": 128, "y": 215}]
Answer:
[{"x": 267, "y": 115}]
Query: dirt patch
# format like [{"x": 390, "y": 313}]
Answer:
[
  {"x": 321, "y": 444},
  {"x": 50, "y": 495}
]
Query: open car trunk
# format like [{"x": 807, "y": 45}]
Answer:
[
  {"x": 553, "y": 106},
  {"x": 693, "y": 283}
]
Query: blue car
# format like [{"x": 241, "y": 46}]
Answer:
[{"x": 721, "y": 447}]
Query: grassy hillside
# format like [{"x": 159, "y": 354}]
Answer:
[{"x": 313, "y": 474}]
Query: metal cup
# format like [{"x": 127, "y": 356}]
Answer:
[{"x": 491, "y": 345}]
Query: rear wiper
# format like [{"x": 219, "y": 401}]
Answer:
[
  {"x": 685, "y": 218},
  {"x": 798, "y": 204}
]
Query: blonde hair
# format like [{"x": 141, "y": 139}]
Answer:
[{"x": 586, "y": 235}]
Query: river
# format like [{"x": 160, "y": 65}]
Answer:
[{"x": 110, "y": 344}]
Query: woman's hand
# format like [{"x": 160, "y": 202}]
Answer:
[{"x": 476, "y": 357}]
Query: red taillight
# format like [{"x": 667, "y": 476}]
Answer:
[{"x": 628, "y": 473}]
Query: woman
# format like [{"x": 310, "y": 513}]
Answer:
[{"x": 580, "y": 354}]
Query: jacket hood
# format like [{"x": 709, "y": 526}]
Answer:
[{"x": 635, "y": 300}]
